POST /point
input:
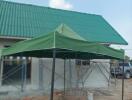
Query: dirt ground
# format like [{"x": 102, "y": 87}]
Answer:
[{"x": 115, "y": 92}]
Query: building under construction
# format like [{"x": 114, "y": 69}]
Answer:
[{"x": 78, "y": 68}]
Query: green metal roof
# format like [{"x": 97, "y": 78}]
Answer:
[{"x": 23, "y": 20}]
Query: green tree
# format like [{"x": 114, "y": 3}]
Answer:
[{"x": 127, "y": 58}]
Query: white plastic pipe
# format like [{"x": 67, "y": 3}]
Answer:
[{"x": 90, "y": 96}]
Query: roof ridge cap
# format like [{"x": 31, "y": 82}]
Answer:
[{"x": 28, "y": 4}]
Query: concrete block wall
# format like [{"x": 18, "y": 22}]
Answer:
[{"x": 97, "y": 78}]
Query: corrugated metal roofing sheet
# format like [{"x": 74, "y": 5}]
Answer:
[{"x": 22, "y": 20}]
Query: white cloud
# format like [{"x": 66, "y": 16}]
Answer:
[{"x": 62, "y": 4}]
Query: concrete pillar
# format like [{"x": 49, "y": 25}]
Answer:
[
  {"x": 41, "y": 70},
  {"x": 35, "y": 73}
]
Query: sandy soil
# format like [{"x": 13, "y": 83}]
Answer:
[{"x": 115, "y": 92}]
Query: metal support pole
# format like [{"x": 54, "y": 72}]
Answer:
[
  {"x": 23, "y": 74},
  {"x": 78, "y": 75},
  {"x": 1, "y": 70},
  {"x": 115, "y": 76},
  {"x": 22, "y": 77},
  {"x": 109, "y": 75},
  {"x": 70, "y": 73},
  {"x": 82, "y": 75},
  {"x": 53, "y": 75},
  {"x": 41, "y": 87},
  {"x": 123, "y": 82},
  {"x": 64, "y": 75}
]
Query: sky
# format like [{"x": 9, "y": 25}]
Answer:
[{"x": 117, "y": 12}]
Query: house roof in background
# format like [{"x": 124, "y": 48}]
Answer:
[{"x": 27, "y": 21}]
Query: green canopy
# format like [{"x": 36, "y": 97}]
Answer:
[{"x": 67, "y": 43}]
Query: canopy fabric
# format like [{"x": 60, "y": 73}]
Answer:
[{"x": 67, "y": 43}]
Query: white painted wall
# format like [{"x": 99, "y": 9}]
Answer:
[
  {"x": 96, "y": 79},
  {"x": 47, "y": 67}
]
